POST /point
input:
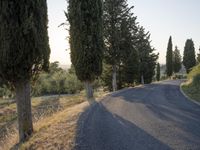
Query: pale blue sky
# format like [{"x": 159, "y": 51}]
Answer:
[{"x": 179, "y": 18}]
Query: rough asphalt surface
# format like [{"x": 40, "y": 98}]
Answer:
[{"x": 153, "y": 117}]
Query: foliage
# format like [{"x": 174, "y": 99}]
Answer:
[
  {"x": 113, "y": 12},
  {"x": 57, "y": 81},
  {"x": 158, "y": 72},
  {"x": 177, "y": 62},
  {"x": 106, "y": 76},
  {"x": 129, "y": 55},
  {"x": 86, "y": 37},
  {"x": 189, "y": 59},
  {"x": 147, "y": 56},
  {"x": 169, "y": 58},
  {"x": 128, "y": 47},
  {"x": 24, "y": 48}
]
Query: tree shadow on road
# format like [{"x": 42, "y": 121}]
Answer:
[
  {"x": 165, "y": 102},
  {"x": 99, "y": 129}
]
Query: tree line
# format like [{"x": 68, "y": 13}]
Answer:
[
  {"x": 174, "y": 59},
  {"x": 104, "y": 37},
  {"x": 107, "y": 42}
]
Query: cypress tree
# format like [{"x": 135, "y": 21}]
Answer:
[
  {"x": 158, "y": 72},
  {"x": 189, "y": 58},
  {"x": 86, "y": 40},
  {"x": 169, "y": 58},
  {"x": 177, "y": 62},
  {"x": 24, "y": 52}
]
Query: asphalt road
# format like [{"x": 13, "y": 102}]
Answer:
[{"x": 153, "y": 117}]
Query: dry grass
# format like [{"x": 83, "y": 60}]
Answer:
[
  {"x": 191, "y": 91},
  {"x": 56, "y": 132},
  {"x": 55, "y": 123}
]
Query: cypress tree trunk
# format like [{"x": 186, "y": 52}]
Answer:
[
  {"x": 89, "y": 92},
  {"x": 24, "y": 110},
  {"x": 114, "y": 78}
]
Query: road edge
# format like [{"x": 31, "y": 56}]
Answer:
[{"x": 184, "y": 94}]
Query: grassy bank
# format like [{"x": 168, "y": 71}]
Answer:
[
  {"x": 191, "y": 91},
  {"x": 192, "y": 87},
  {"x": 55, "y": 122}
]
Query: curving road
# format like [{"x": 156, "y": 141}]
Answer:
[{"x": 152, "y": 117}]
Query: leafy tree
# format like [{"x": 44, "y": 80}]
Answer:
[
  {"x": 131, "y": 68},
  {"x": 189, "y": 58},
  {"x": 177, "y": 62},
  {"x": 112, "y": 18},
  {"x": 169, "y": 58},
  {"x": 147, "y": 57},
  {"x": 129, "y": 56},
  {"x": 54, "y": 67},
  {"x": 128, "y": 52},
  {"x": 106, "y": 76},
  {"x": 158, "y": 72},
  {"x": 24, "y": 51},
  {"x": 86, "y": 40},
  {"x": 120, "y": 36},
  {"x": 57, "y": 81}
]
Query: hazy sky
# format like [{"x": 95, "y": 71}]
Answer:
[{"x": 178, "y": 18}]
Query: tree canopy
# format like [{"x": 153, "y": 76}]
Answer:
[
  {"x": 24, "y": 48},
  {"x": 169, "y": 58},
  {"x": 177, "y": 60},
  {"x": 86, "y": 37},
  {"x": 189, "y": 56}
]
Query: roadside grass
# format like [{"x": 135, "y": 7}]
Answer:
[
  {"x": 192, "y": 87},
  {"x": 55, "y": 122},
  {"x": 191, "y": 91}
]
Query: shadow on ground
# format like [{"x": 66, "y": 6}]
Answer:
[{"x": 101, "y": 130}]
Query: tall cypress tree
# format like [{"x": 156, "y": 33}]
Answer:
[
  {"x": 189, "y": 58},
  {"x": 86, "y": 40},
  {"x": 177, "y": 62},
  {"x": 169, "y": 58},
  {"x": 158, "y": 72},
  {"x": 24, "y": 51}
]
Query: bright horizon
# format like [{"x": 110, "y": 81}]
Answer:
[{"x": 178, "y": 18}]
